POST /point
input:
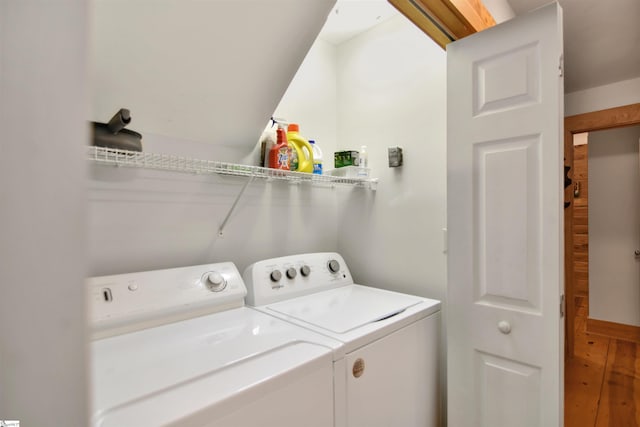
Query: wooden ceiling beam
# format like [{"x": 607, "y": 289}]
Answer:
[{"x": 446, "y": 20}]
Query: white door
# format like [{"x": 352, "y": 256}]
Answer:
[{"x": 505, "y": 220}]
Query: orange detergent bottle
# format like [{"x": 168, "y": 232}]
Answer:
[{"x": 279, "y": 154}]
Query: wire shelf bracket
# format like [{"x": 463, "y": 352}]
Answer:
[{"x": 233, "y": 206}]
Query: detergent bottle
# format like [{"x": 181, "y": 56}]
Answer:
[
  {"x": 302, "y": 147},
  {"x": 317, "y": 158},
  {"x": 279, "y": 153},
  {"x": 267, "y": 140},
  {"x": 293, "y": 157}
]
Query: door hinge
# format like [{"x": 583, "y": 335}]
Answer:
[
  {"x": 562, "y": 306},
  {"x": 561, "y": 66}
]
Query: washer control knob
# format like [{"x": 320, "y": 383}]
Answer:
[
  {"x": 291, "y": 272},
  {"x": 305, "y": 270},
  {"x": 215, "y": 282},
  {"x": 275, "y": 276},
  {"x": 334, "y": 266}
]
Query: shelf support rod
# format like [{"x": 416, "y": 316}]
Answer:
[{"x": 233, "y": 206}]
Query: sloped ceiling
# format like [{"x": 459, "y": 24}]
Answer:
[
  {"x": 348, "y": 18},
  {"x": 601, "y": 40}
]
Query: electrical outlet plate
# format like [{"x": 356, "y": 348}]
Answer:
[{"x": 395, "y": 157}]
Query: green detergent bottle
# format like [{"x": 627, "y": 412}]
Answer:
[{"x": 303, "y": 149}]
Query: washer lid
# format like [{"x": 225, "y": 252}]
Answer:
[
  {"x": 179, "y": 357},
  {"x": 212, "y": 397},
  {"x": 345, "y": 309}
]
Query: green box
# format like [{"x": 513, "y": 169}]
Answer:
[{"x": 345, "y": 158}]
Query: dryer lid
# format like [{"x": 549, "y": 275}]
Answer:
[{"x": 345, "y": 309}]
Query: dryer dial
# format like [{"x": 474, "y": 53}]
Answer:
[
  {"x": 334, "y": 266},
  {"x": 291, "y": 273},
  {"x": 215, "y": 281}
]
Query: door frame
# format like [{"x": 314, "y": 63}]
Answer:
[{"x": 627, "y": 115}]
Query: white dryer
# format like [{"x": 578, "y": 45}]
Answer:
[
  {"x": 386, "y": 371},
  {"x": 178, "y": 348}
]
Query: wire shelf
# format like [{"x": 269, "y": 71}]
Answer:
[{"x": 170, "y": 162}]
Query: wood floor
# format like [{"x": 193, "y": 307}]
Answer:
[{"x": 602, "y": 384}]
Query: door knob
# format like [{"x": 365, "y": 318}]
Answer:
[
  {"x": 637, "y": 252},
  {"x": 504, "y": 327}
]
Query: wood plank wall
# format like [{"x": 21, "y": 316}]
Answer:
[{"x": 581, "y": 221}]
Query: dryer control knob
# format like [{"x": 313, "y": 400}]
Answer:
[
  {"x": 275, "y": 276},
  {"x": 305, "y": 270},
  {"x": 215, "y": 282},
  {"x": 334, "y": 266},
  {"x": 291, "y": 272}
]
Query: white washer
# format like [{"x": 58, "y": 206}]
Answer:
[
  {"x": 386, "y": 371},
  {"x": 177, "y": 348}
]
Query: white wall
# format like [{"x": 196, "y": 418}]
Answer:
[
  {"x": 311, "y": 99},
  {"x": 614, "y": 225},
  {"x": 210, "y": 71},
  {"x": 602, "y": 97},
  {"x": 42, "y": 212},
  {"x": 392, "y": 91},
  {"x": 383, "y": 88},
  {"x": 143, "y": 220},
  {"x": 500, "y": 10}
]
